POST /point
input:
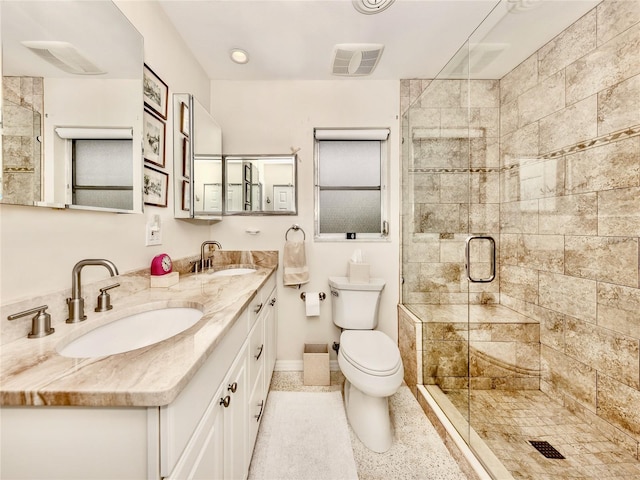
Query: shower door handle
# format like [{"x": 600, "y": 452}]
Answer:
[{"x": 467, "y": 257}]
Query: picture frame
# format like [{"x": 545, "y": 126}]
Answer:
[
  {"x": 186, "y": 196},
  {"x": 184, "y": 119},
  {"x": 155, "y": 187},
  {"x": 154, "y": 134},
  {"x": 186, "y": 158},
  {"x": 155, "y": 92}
]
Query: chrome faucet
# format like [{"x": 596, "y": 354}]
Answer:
[
  {"x": 76, "y": 302},
  {"x": 203, "y": 260}
]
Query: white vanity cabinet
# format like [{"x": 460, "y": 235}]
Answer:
[
  {"x": 214, "y": 440},
  {"x": 207, "y": 432}
]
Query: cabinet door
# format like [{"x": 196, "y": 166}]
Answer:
[
  {"x": 236, "y": 456},
  {"x": 210, "y": 462},
  {"x": 271, "y": 337}
]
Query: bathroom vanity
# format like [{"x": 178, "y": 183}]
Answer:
[{"x": 187, "y": 407}]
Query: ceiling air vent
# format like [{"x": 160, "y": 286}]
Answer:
[
  {"x": 356, "y": 59},
  {"x": 65, "y": 56}
]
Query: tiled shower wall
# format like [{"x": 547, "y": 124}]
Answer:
[
  {"x": 23, "y": 99},
  {"x": 570, "y": 212},
  {"x": 561, "y": 189}
]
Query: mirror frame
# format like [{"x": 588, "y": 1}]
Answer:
[{"x": 247, "y": 158}]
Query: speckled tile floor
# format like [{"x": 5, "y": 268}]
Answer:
[
  {"x": 417, "y": 453},
  {"x": 509, "y": 419}
]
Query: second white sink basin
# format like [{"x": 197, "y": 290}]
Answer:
[
  {"x": 132, "y": 332},
  {"x": 232, "y": 271}
]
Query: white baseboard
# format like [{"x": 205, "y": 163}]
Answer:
[{"x": 298, "y": 366}]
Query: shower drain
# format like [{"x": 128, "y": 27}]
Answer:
[{"x": 546, "y": 449}]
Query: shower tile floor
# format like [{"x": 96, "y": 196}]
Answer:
[{"x": 507, "y": 420}]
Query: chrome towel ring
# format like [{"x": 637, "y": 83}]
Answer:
[{"x": 295, "y": 228}]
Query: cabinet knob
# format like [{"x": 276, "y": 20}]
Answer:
[
  {"x": 272, "y": 302},
  {"x": 226, "y": 401},
  {"x": 233, "y": 387}
]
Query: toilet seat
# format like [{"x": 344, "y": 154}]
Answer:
[{"x": 370, "y": 351}]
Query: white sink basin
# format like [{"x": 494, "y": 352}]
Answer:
[
  {"x": 131, "y": 332},
  {"x": 232, "y": 271}
]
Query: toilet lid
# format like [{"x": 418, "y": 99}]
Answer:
[{"x": 371, "y": 351}]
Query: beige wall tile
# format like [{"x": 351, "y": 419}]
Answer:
[
  {"x": 551, "y": 328},
  {"x": 619, "y": 106},
  {"x": 608, "y": 259},
  {"x": 572, "y": 44},
  {"x": 541, "y": 252},
  {"x": 443, "y": 94},
  {"x": 485, "y": 187},
  {"x": 615, "y": 165},
  {"x": 615, "y": 16},
  {"x": 615, "y": 355},
  {"x": 609, "y": 64},
  {"x": 450, "y": 218},
  {"x": 551, "y": 89},
  {"x": 569, "y": 215},
  {"x": 569, "y": 126},
  {"x": 520, "y": 283},
  {"x": 484, "y": 218},
  {"x": 519, "y": 80},
  {"x": 570, "y": 295},
  {"x": 619, "y": 309},
  {"x": 618, "y": 212},
  {"x": 618, "y": 403},
  {"x": 426, "y": 187},
  {"x": 519, "y": 145},
  {"x": 541, "y": 178},
  {"x": 563, "y": 375},
  {"x": 519, "y": 217},
  {"x": 483, "y": 93},
  {"x": 454, "y": 188},
  {"x": 509, "y": 117},
  {"x": 509, "y": 243}
]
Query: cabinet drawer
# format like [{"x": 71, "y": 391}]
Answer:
[
  {"x": 257, "y": 403},
  {"x": 257, "y": 350}
]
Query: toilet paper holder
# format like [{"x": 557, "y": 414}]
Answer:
[{"x": 322, "y": 296}]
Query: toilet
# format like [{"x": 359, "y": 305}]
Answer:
[{"x": 369, "y": 360}]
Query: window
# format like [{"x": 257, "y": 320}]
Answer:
[{"x": 350, "y": 184}]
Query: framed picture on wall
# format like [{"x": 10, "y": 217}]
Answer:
[
  {"x": 184, "y": 119},
  {"x": 153, "y": 138},
  {"x": 155, "y": 92},
  {"x": 186, "y": 196},
  {"x": 154, "y": 187},
  {"x": 186, "y": 158}
]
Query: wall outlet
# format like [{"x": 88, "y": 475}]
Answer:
[{"x": 153, "y": 231}]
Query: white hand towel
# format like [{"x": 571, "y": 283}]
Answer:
[{"x": 294, "y": 260}]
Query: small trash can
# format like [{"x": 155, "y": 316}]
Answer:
[{"x": 316, "y": 364}]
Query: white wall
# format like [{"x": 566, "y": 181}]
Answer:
[
  {"x": 39, "y": 246},
  {"x": 273, "y": 116}
]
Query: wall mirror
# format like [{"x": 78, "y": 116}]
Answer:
[
  {"x": 260, "y": 185},
  {"x": 197, "y": 161},
  {"x": 72, "y": 106}
]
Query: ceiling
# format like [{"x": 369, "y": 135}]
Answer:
[{"x": 294, "y": 39}]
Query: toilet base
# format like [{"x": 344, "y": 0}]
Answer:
[{"x": 369, "y": 418}]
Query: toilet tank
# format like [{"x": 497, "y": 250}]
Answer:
[{"x": 354, "y": 306}]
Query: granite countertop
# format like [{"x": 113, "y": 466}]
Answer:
[{"x": 33, "y": 373}]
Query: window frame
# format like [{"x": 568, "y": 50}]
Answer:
[{"x": 354, "y": 134}]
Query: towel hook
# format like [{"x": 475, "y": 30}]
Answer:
[{"x": 295, "y": 227}]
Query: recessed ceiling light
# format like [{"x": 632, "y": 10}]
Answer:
[{"x": 239, "y": 56}]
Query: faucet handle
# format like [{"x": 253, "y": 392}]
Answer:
[
  {"x": 40, "y": 323},
  {"x": 104, "y": 299}
]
